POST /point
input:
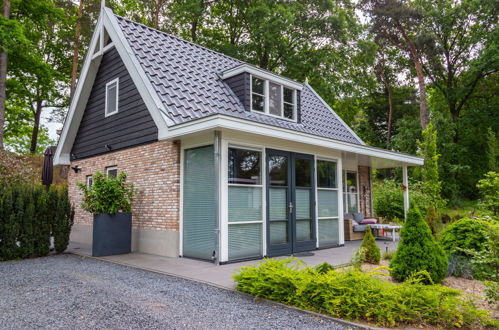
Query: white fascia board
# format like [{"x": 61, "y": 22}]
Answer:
[
  {"x": 223, "y": 121},
  {"x": 334, "y": 113},
  {"x": 262, "y": 74},
  {"x": 143, "y": 84},
  {"x": 79, "y": 100}
]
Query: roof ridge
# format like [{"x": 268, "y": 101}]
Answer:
[{"x": 183, "y": 40}]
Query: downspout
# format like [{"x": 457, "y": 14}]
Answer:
[{"x": 217, "y": 149}]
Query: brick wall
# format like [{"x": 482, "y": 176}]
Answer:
[
  {"x": 153, "y": 168},
  {"x": 365, "y": 190}
]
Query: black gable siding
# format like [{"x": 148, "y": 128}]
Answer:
[
  {"x": 240, "y": 85},
  {"x": 131, "y": 126}
]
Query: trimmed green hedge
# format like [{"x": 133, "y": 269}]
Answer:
[
  {"x": 356, "y": 295},
  {"x": 29, "y": 216}
]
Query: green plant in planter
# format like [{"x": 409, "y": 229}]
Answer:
[{"x": 107, "y": 195}]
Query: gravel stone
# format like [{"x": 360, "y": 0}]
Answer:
[{"x": 67, "y": 292}]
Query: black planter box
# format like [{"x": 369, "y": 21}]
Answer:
[{"x": 112, "y": 234}]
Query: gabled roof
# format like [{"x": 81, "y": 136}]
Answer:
[{"x": 187, "y": 79}]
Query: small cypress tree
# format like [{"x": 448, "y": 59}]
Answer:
[
  {"x": 418, "y": 251},
  {"x": 26, "y": 236},
  {"x": 41, "y": 224},
  {"x": 372, "y": 253},
  {"x": 63, "y": 221}
]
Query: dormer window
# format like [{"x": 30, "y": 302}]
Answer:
[
  {"x": 273, "y": 99},
  {"x": 111, "y": 105}
]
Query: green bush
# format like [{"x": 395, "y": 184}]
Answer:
[
  {"x": 355, "y": 295},
  {"x": 372, "y": 253},
  {"x": 388, "y": 199},
  {"x": 29, "y": 216},
  {"x": 107, "y": 194},
  {"x": 489, "y": 190},
  {"x": 418, "y": 251},
  {"x": 388, "y": 255},
  {"x": 464, "y": 234}
]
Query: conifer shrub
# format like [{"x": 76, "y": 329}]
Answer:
[
  {"x": 355, "y": 295},
  {"x": 418, "y": 251},
  {"x": 372, "y": 253},
  {"x": 29, "y": 216},
  {"x": 464, "y": 234}
]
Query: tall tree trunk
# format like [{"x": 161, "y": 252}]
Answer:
[
  {"x": 157, "y": 11},
  {"x": 36, "y": 127},
  {"x": 415, "y": 57},
  {"x": 390, "y": 115},
  {"x": 76, "y": 50},
  {"x": 423, "y": 108},
  {"x": 3, "y": 76}
]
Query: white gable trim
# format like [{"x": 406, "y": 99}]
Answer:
[
  {"x": 335, "y": 114},
  {"x": 107, "y": 22}
]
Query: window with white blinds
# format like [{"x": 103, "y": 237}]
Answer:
[
  {"x": 327, "y": 203},
  {"x": 245, "y": 203}
]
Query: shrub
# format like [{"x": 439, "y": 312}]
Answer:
[
  {"x": 29, "y": 216},
  {"x": 388, "y": 199},
  {"x": 372, "y": 253},
  {"x": 16, "y": 170},
  {"x": 107, "y": 195},
  {"x": 489, "y": 190},
  {"x": 63, "y": 221},
  {"x": 353, "y": 294},
  {"x": 418, "y": 251},
  {"x": 464, "y": 234}
]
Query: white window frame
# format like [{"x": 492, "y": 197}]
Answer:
[
  {"x": 117, "y": 82},
  {"x": 317, "y": 188},
  {"x": 345, "y": 200},
  {"x": 110, "y": 168},
  {"x": 90, "y": 178},
  {"x": 266, "y": 95}
]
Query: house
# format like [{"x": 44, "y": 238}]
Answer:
[{"x": 230, "y": 161}]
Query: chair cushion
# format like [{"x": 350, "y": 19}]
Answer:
[
  {"x": 359, "y": 228},
  {"x": 348, "y": 216},
  {"x": 369, "y": 221},
  {"x": 354, "y": 223},
  {"x": 358, "y": 217}
]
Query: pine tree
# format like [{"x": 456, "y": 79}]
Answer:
[
  {"x": 418, "y": 251},
  {"x": 372, "y": 253}
]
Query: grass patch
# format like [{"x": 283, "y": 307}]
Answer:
[{"x": 355, "y": 295}]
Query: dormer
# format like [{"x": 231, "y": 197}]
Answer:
[{"x": 263, "y": 92}]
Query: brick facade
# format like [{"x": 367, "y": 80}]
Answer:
[
  {"x": 365, "y": 191},
  {"x": 153, "y": 168}
]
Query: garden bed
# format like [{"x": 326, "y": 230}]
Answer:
[{"x": 472, "y": 288}]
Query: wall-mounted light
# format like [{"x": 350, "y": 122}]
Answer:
[
  {"x": 76, "y": 168},
  {"x": 108, "y": 146}
]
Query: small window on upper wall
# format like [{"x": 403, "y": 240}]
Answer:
[
  {"x": 112, "y": 171},
  {"x": 111, "y": 104},
  {"x": 90, "y": 181},
  {"x": 273, "y": 99}
]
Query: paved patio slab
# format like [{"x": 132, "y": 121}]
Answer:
[{"x": 221, "y": 276}]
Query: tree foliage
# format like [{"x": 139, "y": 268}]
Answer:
[{"x": 372, "y": 252}]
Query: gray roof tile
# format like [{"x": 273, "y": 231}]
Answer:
[{"x": 186, "y": 79}]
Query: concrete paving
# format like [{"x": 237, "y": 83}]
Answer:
[{"x": 221, "y": 276}]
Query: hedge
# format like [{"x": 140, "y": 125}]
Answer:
[{"x": 29, "y": 217}]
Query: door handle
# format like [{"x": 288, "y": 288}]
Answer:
[{"x": 290, "y": 208}]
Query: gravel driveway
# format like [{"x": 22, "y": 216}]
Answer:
[{"x": 69, "y": 292}]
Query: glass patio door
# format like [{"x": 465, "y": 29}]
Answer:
[{"x": 290, "y": 203}]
